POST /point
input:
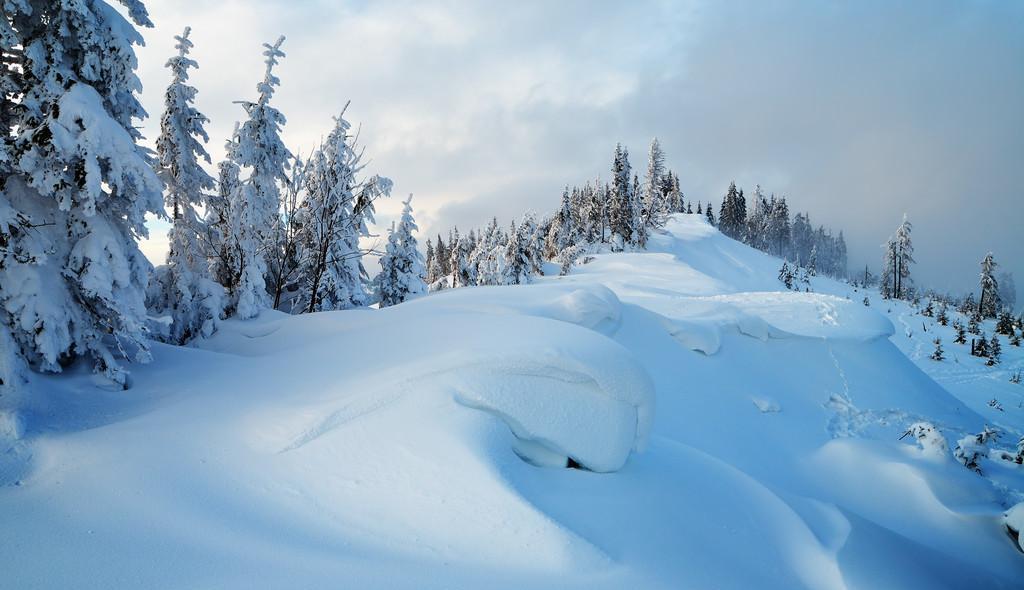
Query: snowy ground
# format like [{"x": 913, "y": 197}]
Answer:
[{"x": 735, "y": 435}]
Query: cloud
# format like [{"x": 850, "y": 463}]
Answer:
[{"x": 857, "y": 112}]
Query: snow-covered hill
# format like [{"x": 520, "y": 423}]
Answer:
[{"x": 732, "y": 434}]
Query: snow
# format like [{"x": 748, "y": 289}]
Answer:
[{"x": 731, "y": 434}]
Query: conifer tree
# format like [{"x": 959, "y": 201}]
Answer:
[
  {"x": 995, "y": 351},
  {"x": 961, "y": 333},
  {"x": 654, "y": 205},
  {"x": 621, "y": 201},
  {"x": 258, "y": 150},
  {"x": 938, "y": 354},
  {"x": 402, "y": 271},
  {"x": 75, "y": 185},
  {"x": 330, "y": 270},
  {"x": 183, "y": 289},
  {"x": 988, "y": 303},
  {"x": 709, "y": 213}
]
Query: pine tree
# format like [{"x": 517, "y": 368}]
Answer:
[
  {"x": 1015, "y": 339},
  {"x": 653, "y": 203},
  {"x": 730, "y": 220},
  {"x": 640, "y": 228},
  {"x": 961, "y": 334},
  {"x": 75, "y": 186},
  {"x": 979, "y": 347},
  {"x": 1005, "y": 324},
  {"x": 330, "y": 270},
  {"x": 786, "y": 275},
  {"x": 902, "y": 259},
  {"x": 517, "y": 260},
  {"x": 183, "y": 288},
  {"x": 621, "y": 200},
  {"x": 972, "y": 325},
  {"x": 429, "y": 262},
  {"x": 402, "y": 268},
  {"x": 756, "y": 233},
  {"x": 257, "y": 149},
  {"x": 995, "y": 351},
  {"x": 709, "y": 213},
  {"x": 778, "y": 228},
  {"x": 943, "y": 317},
  {"x": 929, "y": 310},
  {"x": 938, "y": 354},
  {"x": 988, "y": 304}
]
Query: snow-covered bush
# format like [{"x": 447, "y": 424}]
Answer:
[
  {"x": 931, "y": 441},
  {"x": 970, "y": 449}
]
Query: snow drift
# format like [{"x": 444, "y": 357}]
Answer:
[{"x": 385, "y": 449}]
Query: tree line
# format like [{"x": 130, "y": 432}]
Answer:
[{"x": 272, "y": 231}]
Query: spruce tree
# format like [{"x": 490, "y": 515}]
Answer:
[
  {"x": 961, "y": 333},
  {"x": 938, "y": 354},
  {"x": 258, "y": 150},
  {"x": 75, "y": 186},
  {"x": 988, "y": 303},
  {"x": 654, "y": 205},
  {"x": 402, "y": 268},
  {"x": 183, "y": 289},
  {"x": 995, "y": 351},
  {"x": 330, "y": 271},
  {"x": 621, "y": 202}
]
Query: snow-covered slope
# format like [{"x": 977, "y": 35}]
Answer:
[{"x": 733, "y": 435}]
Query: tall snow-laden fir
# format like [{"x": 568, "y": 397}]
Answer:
[
  {"x": 183, "y": 288},
  {"x": 988, "y": 303},
  {"x": 621, "y": 204},
  {"x": 899, "y": 255},
  {"x": 75, "y": 186},
  {"x": 402, "y": 268},
  {"x": 333, "y": 216},
  {"x": 259, "y": 152},
  {"x": 654, "y": 204}
]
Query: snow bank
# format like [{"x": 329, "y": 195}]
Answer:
[
  {"x": 583, "y": 404},
  {"x": 1014, "y": 521},
  {"x": 591, "y": 306}
]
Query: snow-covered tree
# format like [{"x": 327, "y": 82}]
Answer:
[
  {"x": 330, "y": 272},
  {"x": 995, "y": 351},
  {"x": 938, "y": 354},
  {"x": 972, "y": 448},
  {"x": 258, "y": 150},
  {"x": 183, "y": 289},
  {"x": 961, "y": 333},
  {"x": 402, "y": 268},
  {"x": 732, "y": 217},
  {"x": 621, "y": 201},
  {"x": 988, "y": 303},
  {"x": 75, "y": 185},
  {"x": 653, "y": 204},
  {"x": 904, "y": 257}
]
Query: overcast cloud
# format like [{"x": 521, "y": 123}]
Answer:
[{"x": 857, "y": 112}]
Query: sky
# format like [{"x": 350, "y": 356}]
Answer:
[{"x": 857, "y": 112}]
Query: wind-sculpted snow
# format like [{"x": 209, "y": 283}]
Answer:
[{"x": 425, "y": 445}]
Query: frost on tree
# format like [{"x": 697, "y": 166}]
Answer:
[
  {"x": 988, "y": 304},
  {"x": 76, "y": 186},
  {"x": 334, "y": 216},
  {"x": 183, "y": 288},
  {"x": 402, "y": 267},
  {"x": 257, "y": 149}
]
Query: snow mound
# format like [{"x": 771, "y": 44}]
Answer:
[
  {"x": 593, "y": 408},
  {"x": 591, "y": 306},
  {"x": 1014, "y": 521}
]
